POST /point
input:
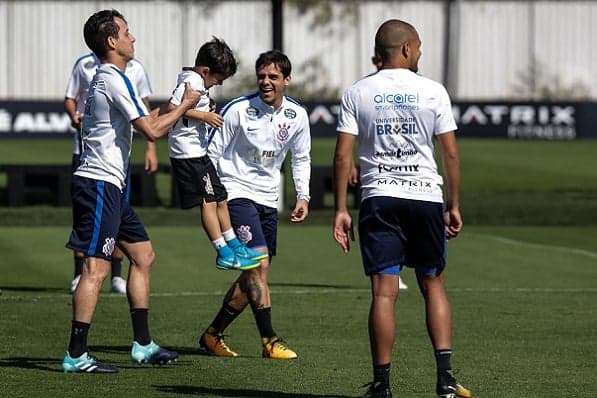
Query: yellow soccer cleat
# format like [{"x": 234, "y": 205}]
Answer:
[
  {"x": 462, "y": 392},
  {"x": 213, "y": 344},
  {"x": 275, "y": 348},
  {"x": 447, "y": 387}
]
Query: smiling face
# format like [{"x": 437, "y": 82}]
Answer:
[{"x": 272, "y": 84}]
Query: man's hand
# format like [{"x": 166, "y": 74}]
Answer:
[
  {"x": 453, "y": 223},
  {"x": 300, "y": 212},
  {"x": 343, "y": 230},
  {"x": 76, "y": 120},
  {"x": 191, "y": 97},
  {"x": 151, "y": 158}
]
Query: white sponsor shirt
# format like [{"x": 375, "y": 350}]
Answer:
[
  {"x": 81, "y": 75},
  {"x": 251, "y": 146},
  {"x": 396, "y": 113},
  {"x": 188, "y": 138},
  {"x": 112, "y": 103}
]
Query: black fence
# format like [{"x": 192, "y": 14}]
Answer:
[
  {"x": 50, "y": 184},
  {"x": 495, "y": 119}
]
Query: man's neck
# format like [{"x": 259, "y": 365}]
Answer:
[{"x": 118, "y": 61}]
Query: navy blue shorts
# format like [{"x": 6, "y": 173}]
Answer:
[
  {"x": 255, "y": 225},
  {"x": 197, "y": 181},
  {"x": 76, "y": 159},
  {"x": 127, "y": 192},
  {"x": 101, "y": 218},
  {"x": 402, "y": 232}
]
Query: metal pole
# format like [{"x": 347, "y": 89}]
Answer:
[
  {"x": 277, "y": 22},
  {"x": 451, "y": 44},
  {"x": 278, "y": 44}
]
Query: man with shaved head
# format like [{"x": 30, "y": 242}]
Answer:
[{"x": 395, "y": 114}]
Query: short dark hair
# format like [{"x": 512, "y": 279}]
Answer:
[
  {"x": 217, "y": 56},
  {"x": 98, "y": 28},
  {"x": 277, "y": 58}
]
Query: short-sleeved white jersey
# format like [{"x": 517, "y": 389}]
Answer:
[
  {"x": 81, "y": 75},
  {"x": 188, "y": 138},
  {"x": 112, "y": 103},
  {"x": 396, "y": 114},
  {"x": 250, "y": 148}
]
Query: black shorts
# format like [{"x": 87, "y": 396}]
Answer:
[
  {"x": 402, "y": 232},
  {"x": 197, "y": 181}
]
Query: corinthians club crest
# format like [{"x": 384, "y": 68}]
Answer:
[
  {"x": 283, "y": 134},
  {"x": 244, "y": 233}
]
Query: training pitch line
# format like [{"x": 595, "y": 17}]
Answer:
[
  {"x": 519, "y": 243},
  {"x": 312, "y": 291}
]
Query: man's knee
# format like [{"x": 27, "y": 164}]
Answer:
[
  {"x": 144, "y": 260},
  {"x": 96, "y": 269}
]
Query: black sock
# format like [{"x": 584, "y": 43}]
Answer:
[
  {"x": 141, "y": 325},
  {"x": 225, "y": 317},
  {"x": 381, "y": 373},
  {"x": 116, "y": 267},
  {"x": 78, "y": 338},
  {"x": 78, "y": 265},
  {"x": 263, "y": 318},
  {"x": 443, "y": 360}
]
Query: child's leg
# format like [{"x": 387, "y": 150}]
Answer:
[
  {"x": 226, "y": 225},
  {"x": 224, "y": 216},
  {"x": 210, "y": 220}
]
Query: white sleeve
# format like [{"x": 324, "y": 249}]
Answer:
[
  {"x": 347, "y": 122},
  {"x": 176, "y": 98},
  {"x": 142, "y": 82},
  {"x": 301, "y": 159},
  {"x": 74, "y": 83},
  {"x": 444, "y": 118}
]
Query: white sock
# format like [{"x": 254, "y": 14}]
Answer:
[
  {"x": 219, "y": 243},
  {"x": 229, "y": 235}
]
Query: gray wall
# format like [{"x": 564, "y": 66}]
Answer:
[{"x": 516, "y": 50}]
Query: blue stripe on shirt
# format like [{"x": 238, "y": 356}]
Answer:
[
  {"x": 129, "y": 87},
  {"x": 243, "y": 98},
  {"x": 82, "y": 57},
  {"x": 293, "y": 101}
]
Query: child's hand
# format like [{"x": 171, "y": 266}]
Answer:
[{"x": 213, "y": 119}]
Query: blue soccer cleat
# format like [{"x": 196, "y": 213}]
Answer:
[
  {"x": 85, "y": 364},
  {"x": 152, "y": 353},
  {"x": 235, "y": 262},
  {"x": 244, "y": 251}
]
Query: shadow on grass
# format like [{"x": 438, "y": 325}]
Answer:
[
  {"x": 126, "y": 349},
  {"x": 33, "y": 289},
  {"x": 312, "y": 285},
  {"x": 227, "y": 392},
  {"x": 45, "y": 364}
]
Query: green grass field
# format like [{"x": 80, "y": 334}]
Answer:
[
  {"x": 522, "y": 280},
  {"x": 523, "y": 298}
]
